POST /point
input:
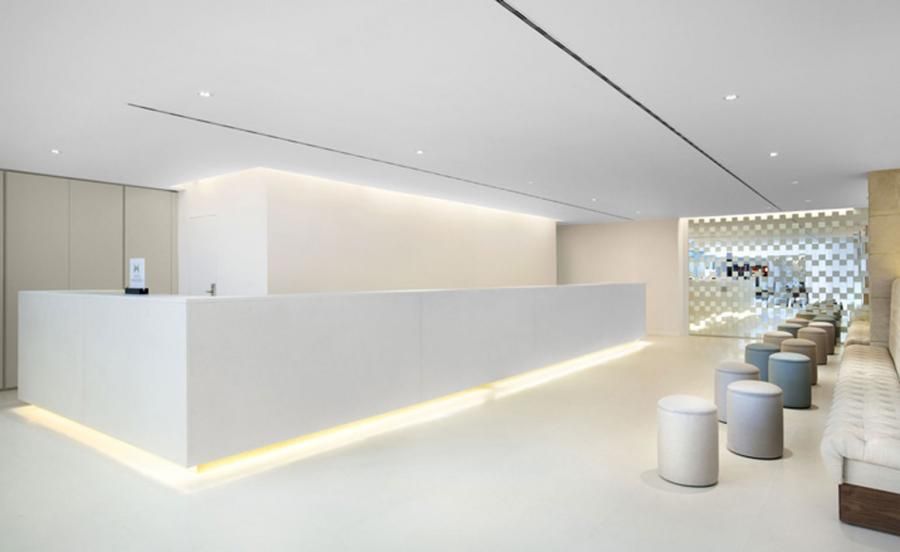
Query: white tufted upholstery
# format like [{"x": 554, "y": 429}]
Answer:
[
  {"x": 858, "y": 333},
  {"x": 864, "y": 422}
]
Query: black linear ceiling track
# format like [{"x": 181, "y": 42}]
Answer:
[
  {"x": 568, "y": 51},
  {"x": 371, "y": 159}
]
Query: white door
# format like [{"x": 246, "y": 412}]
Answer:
[{"x": 203, "y": 257}]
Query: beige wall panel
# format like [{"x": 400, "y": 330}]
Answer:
[
  {"x": 173, "y": 243},
  {"x": 37, "y": 247},
  {"x": 96, "y": 236},
  {"x": 884, "y": 192},
  {"x": 149, "y": 233},
  {"x": 884, "y": 247},
  {"x": 2, "y": 257},
  {"x": 641, "y": 251}
]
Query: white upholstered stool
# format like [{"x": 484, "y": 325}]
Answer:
[
  {"x": 727, "y": 372},
  {"x": 687, "y": 441},
  {"x": 755, "y": 419}
]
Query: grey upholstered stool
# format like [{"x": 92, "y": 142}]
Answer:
[
  {"x": 687, "y": 441},
  {"x": 755, "y": 419},
  {"x": 727, "y": 372},
  {"x": 798, "y": 321},
  {"x": 806, "y": 315},
  {"x": 820, "y": 338},
  {"x": 791, "y": 372},
  {"x": 758, "y": 355},
  {"x": 807, "y": 348},
  {"x": 775, "y": 338},
  {"x": 789, "y": 328},
  {"x": 829, "y": 329}
]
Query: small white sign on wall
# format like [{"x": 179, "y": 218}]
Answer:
[{"x": 136, "y": 275}]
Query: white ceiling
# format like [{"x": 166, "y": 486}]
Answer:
[{"x": 486, "y": 97}]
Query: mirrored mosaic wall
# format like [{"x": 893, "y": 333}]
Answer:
[{"x": 749, "y": 273}]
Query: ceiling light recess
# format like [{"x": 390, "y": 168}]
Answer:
[
  {"x": 55, "y": 151},
  {"x": 773, "y": 154},
  {"x": 205, "y": 94},
  {"x": 593, "y": 70},
  {"x": 370, "y": 159},
  {"x": 730, "y": 97}
]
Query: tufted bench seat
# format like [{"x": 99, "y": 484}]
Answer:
[
  {"x": 858, "y": 333},
  {"x": 864, "y": 422},
  {"x": 861, "y": 443}
]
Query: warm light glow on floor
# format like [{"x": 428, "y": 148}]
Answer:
[
  {"x": 141, "y": 461},
  {"x": 521, "y": 382},
  {"x": 285, "y": 452}
]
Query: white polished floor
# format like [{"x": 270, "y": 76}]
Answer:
[
  {"x": 750, "y": 324},
  {"x": 566, "y": 466}
]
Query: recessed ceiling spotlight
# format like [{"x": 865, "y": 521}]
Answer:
[
  {"x": 808, "y": 200},
  {"x": 795, "y": 182},
  {"x": 205, "y": 94},
  {"x": 637, "y": 212},
  {"x": 420, "y": 152},
  {"x": 594, "y": 199},
  {"x": 730, "y": 97},
  {"x": 773, "y": 154},
  {"x": 55, "y": 151}
]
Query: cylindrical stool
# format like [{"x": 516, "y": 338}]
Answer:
[
  {"x": 727, "y": 372},
  {"x": 835, "y": 322},
  {"x": 829, "y": 329},
  {"x": 687, "y": 441},
  {"x": 807, "y": 348},
  {"x": 798, "y": 321},
  {"x": 790, "y": 372},
  {"x": 825, "y": 318},
  {"x": 775, "y": 338},
  {"x": 820, "y": 338},
  {"x": 755, "y": 419},
  {"x": 758, "y": 354},
  {"x": 806, "y": 315},
  {"x": 789, "y": 328}
]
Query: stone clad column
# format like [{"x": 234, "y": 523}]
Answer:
[{"x": 884, "y": 247}]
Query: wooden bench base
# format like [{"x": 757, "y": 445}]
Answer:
[{"x": 870, "y": 508}]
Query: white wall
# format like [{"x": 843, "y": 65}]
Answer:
[
  {"x": 286, "y": 233},
  {"x": 327, "y": 235},
  {"x": 651, "y": 251},
  {"x": 223, "y": 235}
]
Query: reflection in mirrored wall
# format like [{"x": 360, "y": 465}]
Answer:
[{"x": 749, "y": 273}]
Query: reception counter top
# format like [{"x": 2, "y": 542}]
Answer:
[{"x": 195, "y": 379}]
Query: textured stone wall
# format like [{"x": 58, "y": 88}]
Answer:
[{"x": 884, "y": 247}]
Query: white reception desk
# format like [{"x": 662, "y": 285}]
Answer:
[{"x": 196, "y": 379}]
